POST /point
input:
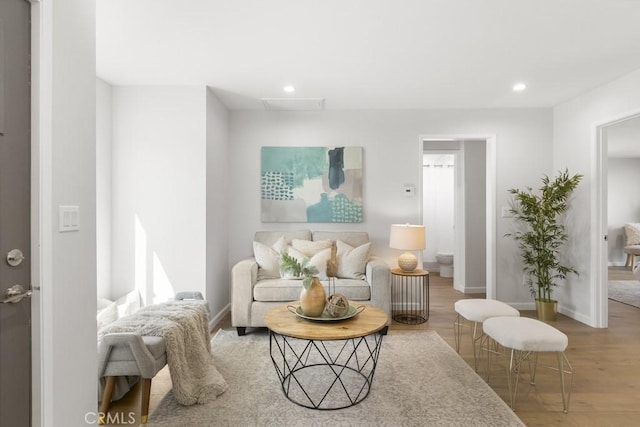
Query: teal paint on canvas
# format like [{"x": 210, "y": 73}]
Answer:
[
  {"x": 302, "y": 162},
  {"x": 328, "y": 181}
]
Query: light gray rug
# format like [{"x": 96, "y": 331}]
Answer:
[
  {"x": 625, "y": 291},
  {"x": 419, "y": 381}
]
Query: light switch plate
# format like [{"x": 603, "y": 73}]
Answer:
[{"x": 68, "y": 218}]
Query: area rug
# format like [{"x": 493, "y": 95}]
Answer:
[
  {"x": 625, "y": 291},
  {"x": 419, "y": 381}
]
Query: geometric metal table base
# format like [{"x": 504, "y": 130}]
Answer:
[{"x": 325, "y": 374}]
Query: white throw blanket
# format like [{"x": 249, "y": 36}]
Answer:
[{"x": 184, "y": 326}]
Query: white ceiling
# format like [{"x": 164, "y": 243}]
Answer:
[{"x": 372, "y": 54}]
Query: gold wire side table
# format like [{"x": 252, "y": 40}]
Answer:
[{"x": 410, "y": 296}]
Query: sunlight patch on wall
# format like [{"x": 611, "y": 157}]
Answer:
[
  {"x": 162, "y": 288},
  {"x": 140, "y": 260}
]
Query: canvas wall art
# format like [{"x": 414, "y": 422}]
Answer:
[{"x": 311, "y": 184}]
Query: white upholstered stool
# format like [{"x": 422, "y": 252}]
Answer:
[
  {"x": 525, "y": 338},
  {"x": 477, "y": 311}
]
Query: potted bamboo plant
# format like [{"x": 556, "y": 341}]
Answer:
[{"x": 543, "y": 236}]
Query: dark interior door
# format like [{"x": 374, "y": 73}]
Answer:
[{"x": 15, "y": 312}]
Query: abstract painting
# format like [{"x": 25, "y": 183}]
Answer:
[{"x": 311, "y": 184}]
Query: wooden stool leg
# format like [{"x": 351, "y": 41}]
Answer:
[
  {"x": 628, "y": 261},
  {"x": 106, "y": 398},
  {"x": 146, "y": 392}
]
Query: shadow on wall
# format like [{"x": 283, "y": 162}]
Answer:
[{"x": 151, "y": 279}]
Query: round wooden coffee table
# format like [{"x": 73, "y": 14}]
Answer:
[{"x": 326, "y": 364}]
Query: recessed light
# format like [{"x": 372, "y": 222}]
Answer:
[
  {"x": 519, "y": 87},
  {"x": 289, "y": 89}
]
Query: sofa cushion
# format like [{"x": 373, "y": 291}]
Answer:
[
  {"x": 268, "y": 258},
  {"x": 273, "y": 290},
  {"x": 155, "y": 345},
  {"x": 352, "y": 261}
]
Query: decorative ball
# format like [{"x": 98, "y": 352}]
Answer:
[{"x": 337, "y": 305}]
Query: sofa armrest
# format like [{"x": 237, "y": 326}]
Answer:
[
  {"x": 379, "y": 278},
  {"x": 244, "y": 276},
  {"x": 144, "y": 358}
]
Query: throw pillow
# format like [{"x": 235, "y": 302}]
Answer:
[
  {"x": 319, "y": 261},
  {"x": 129, "y": 303},
  {"x": 352, "y": 261},
  {"x": 107, "y": 315},
  {"x": 633, "y": 233},
  {"x": 310, "y": 248},
  {"x": 268, "y": 258}
]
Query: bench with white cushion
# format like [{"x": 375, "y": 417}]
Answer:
[{"x": 523, "y": 338}]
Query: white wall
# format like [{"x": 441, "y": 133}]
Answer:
[
  {"x": 159, "y": 184},
  {"x": 64, "y": 166},
  {"x": 623, "y": 203},
  {"x": 218, "y": 193},
  {"x": 574, "y": 147},
  {"x": 392, "y": 158},
  {"x": 103, "y": 188}
]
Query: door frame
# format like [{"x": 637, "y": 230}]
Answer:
[
  {"x": 41, "y": 211},
  {"x": 599, "y": 219},
  {"x": 490, "y": 199}
]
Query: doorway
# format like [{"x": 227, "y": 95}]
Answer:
[
  {"x": 473, "y": 216},
  {"x": 616, "y": 147}
]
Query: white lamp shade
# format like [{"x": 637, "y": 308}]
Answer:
[{"x": 407, "y": 237}]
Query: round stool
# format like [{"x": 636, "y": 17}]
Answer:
[
  {"x": 528, "y": 337},
  {"x": 477, "y": 310}
]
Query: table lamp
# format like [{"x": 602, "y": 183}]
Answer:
[{"x": 408, "y": 238}]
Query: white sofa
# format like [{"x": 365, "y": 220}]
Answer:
[{"x": 252, "y": 298}]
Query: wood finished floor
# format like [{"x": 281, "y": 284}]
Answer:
[{"x": 606, "y": 362}]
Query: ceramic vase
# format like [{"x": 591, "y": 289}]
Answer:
[{"x": 313, "y": 299}]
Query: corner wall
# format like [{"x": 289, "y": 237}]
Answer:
[
  {"x": 159, "y": 183},
  {"x": 103, "y": 188},
  {"x": 392, "y": 158},
  {"x": 218, "y": 193},
  {"x": 575, "y": 147}
]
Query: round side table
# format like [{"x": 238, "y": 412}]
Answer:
[{"x": 410, "y": 296}]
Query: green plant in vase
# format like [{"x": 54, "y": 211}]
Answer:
[
  {"x": 312, "y": 296},
  {"x": 540, "y": 243}
]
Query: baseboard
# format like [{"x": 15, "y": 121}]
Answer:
[
  {"x": 474, "y": 290},
  {"x": 218, "y": 317}
]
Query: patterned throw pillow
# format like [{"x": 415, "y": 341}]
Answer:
[{"x": 632, "y": 231}]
